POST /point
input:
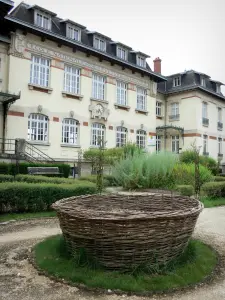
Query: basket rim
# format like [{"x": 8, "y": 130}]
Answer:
[{"x": 105, "y": 215}]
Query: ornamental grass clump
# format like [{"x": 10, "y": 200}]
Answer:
[{"x": 145, "y": 170}]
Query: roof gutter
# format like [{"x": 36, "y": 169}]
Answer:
[{"x": 157, "y": 77}]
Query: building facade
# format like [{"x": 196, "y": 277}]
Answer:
[{"x": 75, "y": 86}]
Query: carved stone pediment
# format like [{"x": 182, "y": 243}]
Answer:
[{"x": 99, "y": 111}]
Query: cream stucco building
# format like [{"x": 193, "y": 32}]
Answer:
[{"x": 72, "y": 86}]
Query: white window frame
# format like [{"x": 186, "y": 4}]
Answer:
[
  {"x": 158, "y": 108},
  {"x": 141, "y": 138},
  {"x": 121, "y": 136},
  {"x": 121, "y": 52},
  {"x": 37, "y": 127},
  {"x": 220, "y": 146},
  {"x": 97, "y": 131},
  {"x": 158, "y": 145},
  {"x": 71, "y": 30},
  {"x": 175, "y": 143},
  {"x": 220, "y": 114},
  {"x": 204, "y": 110},
  {"x": 205, "y": 144},
  {"x": 218, "y": 88},
  {"x": 141, "y": 99},
  {"x": 70, "y": 131},
  {"x": 71, "y": 80},
  {"x": 177, "y": 81},
  {"x": 174, "y": 109},
  {"x": 40, "y": 21},
  {"x": 203, "y": 81},
  {"x": 121, "y": 93},
  {"x": 99, "y": 43},
  {"x": 98, "y": 86},
  {"x": 141, "y": 61},
  {"x": 40, "y": 71}
]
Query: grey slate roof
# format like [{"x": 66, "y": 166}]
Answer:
[
  {"x": 23, "y": 17},
  {"x": 190, "y": 80}
]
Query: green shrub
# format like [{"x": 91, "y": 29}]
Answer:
[
  {"x": 185, "y": 190},
  {"x": 145, "y": 170},
  {"x": 11, "y": 169},
  {"x": 218, "y": 178},
  {"x": 30, "y": 197},
  {"x": 93, "y": 178},
  {"x": 189, "y": 157},
  {"x": 184, "y": 174},
  {"x": 44, "y": 179},
  {"x": 111, "y": 180},
  {"x": 6, "y": 178},
  {"x": 214, "y": 189}
]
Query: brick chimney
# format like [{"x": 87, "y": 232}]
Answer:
[{"x": 157, "y": 65}]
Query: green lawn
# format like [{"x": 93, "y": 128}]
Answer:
[
  {"x": 45, "y": 214},
  {"x": 197, "y": 263},
  {"x": 212, "y": 202}
]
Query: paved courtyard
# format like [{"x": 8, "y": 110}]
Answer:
[{"x": 20, "y": 281}]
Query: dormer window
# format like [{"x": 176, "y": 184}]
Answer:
[
  {"x": 42, "y": 20},
  {"x": 99, "y": 43},
  {"x": 141, "y": 61},
  {"x": 73, "y": 32},
  {"x": 218, "y": 88},
  {"x": 121, "y": 53},
  {"x": 176, "y": 81},
  {"x": 203, "y": 81}
]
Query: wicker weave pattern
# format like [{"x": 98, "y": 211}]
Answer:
[{"x": 121, "y": 231}]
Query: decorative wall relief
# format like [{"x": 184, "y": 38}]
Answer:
[{"x": 99, "y": 111}]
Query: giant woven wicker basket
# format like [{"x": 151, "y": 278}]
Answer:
[{"x": 121, "y": 231}]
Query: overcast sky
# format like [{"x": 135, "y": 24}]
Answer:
[{"x": 185, "y": 36}]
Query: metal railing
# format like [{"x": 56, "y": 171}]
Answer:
[
  {"x": 7, "y": 146},
  {"x": 205, "y": 121},
  {"x": 219, "y": 125},
  {"x": 174, "y": 117},
  {"x": 36, "y": 155}
]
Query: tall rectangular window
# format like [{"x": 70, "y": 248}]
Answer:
[
  {"x": 40, "y": 70},
  {"x": 158, "y": 108},
  {"x": 98, "y": 87},
  {"x": 141, "y": 138},
  {"x": 72, "y": 80},
  {"x": 204, "y": 110},
  {"x": 97, "y": 134},
  {"x": 121, "y": 93},
  {"x": 174, "y": 109},
  {"x": 70, "y": 131},
  {"x": 121, "y": 136},
  {"x": 141, "y": 61},
  {"x": 42, "y": 20},
  {"x": 158, "y": 143},
  {"x": 175, "y": 143},
  {"x": 141, "y": 99},
  {"x": 121, "y": 53},
  {"x": 220, "y": 115},
  {"x": 73, "y": 32},
  {"x": 220, "y": 145},
  {"x": 205, "y": 144},
  {"x": 99, "y": 43},
  {"x": 177, "y": 81}
]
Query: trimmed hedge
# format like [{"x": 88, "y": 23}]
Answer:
[
  {"x": 11, "y": 169},
  {"x": 108, "y": 180},
  {"x": 219, "y": 178},
  {"x": 36, "y": 179},
  {"x": 30, "y": 197},
  {"x": 214, "y": 189},
  {"x": 185, "y": 190}
]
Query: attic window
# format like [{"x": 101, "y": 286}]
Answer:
[
  {"x": 42, "y": 19},
  {"x": 218, "y": 89},
  {"x": 177, "y": 81},
  {"x": 99, "y": 43},
  {"x": 202, "y": 81},
  {"x": 141, "y": 61},
  {"x": 73, "y": 32},
  {"x": 121, "y": 53}
]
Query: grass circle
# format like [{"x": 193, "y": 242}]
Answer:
[{"x": 197, "y": 263}]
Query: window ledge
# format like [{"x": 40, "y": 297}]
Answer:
[
  {"x": 141, "y": 111},
  {"x": 159, "y": 117},
  {"x": 70, "y": 146},
  {"x": 39, "y": 143},
  {"x": 205, "y": 125},
  {"x": 72, "y": 95},
  {"x": 40, "y": 88},
  {"x": 120, "y": 106},
  {"x": 99, "y": 100}
]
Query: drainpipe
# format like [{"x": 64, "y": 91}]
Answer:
[{"x": 5, "y": 109}]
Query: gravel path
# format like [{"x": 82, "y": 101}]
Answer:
[{"x": 20, "y": 281}]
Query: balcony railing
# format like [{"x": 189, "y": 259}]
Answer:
[
  {"x": 205, "y": 122},
  {"x": 174, "y": 117},
  {"x": 219, "y": 125}
]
